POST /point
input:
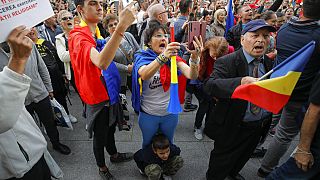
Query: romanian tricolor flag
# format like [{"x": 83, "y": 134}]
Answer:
[
  {"x": 274, "y": 93},
  {"x": 174, "y": 103}
]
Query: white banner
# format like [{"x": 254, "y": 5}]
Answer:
[{"x": 14, "y": 13}]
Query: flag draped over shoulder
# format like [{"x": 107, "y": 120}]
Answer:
[
  {"x": 230, "y": 17},
  {"x": 273, "y": 94},
  {"x": 145, "y": 57},
  {"x": 111, "y": 76}
]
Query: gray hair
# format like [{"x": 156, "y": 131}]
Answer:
[{"x": 154, "y": 10}]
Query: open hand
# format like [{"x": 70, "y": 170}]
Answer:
[{"x": 126, "y": 16}]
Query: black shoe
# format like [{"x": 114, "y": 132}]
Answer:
[
  {"x": 236, "y": 177},
  {"x": 106, "y": 175},
  {"x": 190, "y": 107},
  {"x": 258, "y": 153},
  {"x": 61, "y": 148},
  {"x": 122, "y": 157},
  {"x": 262, "y": 173}
]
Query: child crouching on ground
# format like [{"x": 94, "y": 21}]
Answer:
[{"x": 159, "y": 159}]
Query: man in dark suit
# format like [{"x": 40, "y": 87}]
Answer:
[{"x": 237, "y": 125}]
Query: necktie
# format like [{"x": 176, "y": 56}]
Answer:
[{"x": 255, "y": 73}]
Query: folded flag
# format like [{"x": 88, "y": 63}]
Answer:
[
  {"x": 174, "y": 103},
  {"x": 111, "y": 76},
  {"x": 274, "y": 93}
]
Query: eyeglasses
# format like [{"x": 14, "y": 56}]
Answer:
[
  {"x": 66, "y": 18},
  {"x": 163, "y": 12},
  {"x": 160, "y": 36},
  {"x": 111, "y": 25}
]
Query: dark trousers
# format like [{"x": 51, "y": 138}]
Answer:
[
  {"x": 205, "y": 105},
  {"x": 233, "y": 149},
  {"x": 103, "y": 137},
  {"x": 44, "y": 111},
  {"x": 40, "y": 171},
  {"x": 61, "y": 98}
]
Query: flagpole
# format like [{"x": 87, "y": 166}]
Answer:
[{"x": 266, "y": 75}]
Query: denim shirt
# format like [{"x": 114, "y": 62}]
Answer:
[
  {"x": 179, "y": 23},
  {"x": 263, "y": 113}
]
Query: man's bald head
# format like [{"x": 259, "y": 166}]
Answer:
[{"x": 158, "y": 12}]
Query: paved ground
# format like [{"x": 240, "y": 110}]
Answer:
[{"x": 80, "y": 164}]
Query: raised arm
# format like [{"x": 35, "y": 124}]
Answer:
[
  {"x": 104, "y": 58},
  {"x": 14, "y": 85}
]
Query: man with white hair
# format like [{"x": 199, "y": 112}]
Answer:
[{"x": 155, "y": 12}]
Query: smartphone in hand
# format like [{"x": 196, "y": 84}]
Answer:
[{"x": 195, "y": 28}]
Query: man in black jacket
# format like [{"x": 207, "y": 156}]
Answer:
[
  {"x": 234, "y": 33},
  {"x": 237, "y": 125}
]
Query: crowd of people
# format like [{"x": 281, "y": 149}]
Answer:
[{"x": 103, "y": 49}]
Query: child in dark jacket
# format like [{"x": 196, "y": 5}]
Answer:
[{"x": 159, "y": 159}]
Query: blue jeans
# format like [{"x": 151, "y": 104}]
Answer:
[
  {"x": 150, "y": 125},
  {"x": 290, "y": 171}
]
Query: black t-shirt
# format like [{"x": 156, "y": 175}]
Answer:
[
  {"x": 315, "y": 91},
  {"x": 291, "y": 38}
]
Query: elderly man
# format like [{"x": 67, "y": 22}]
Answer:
[
  {"x": 155, "y": 12},
  {"x": 237, "y": 124}
]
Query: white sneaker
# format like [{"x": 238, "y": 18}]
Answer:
[
  {"x": 198, "y": 134},
  {"x": 72, "y": 118},
  {"x": 141, "y": 172}
]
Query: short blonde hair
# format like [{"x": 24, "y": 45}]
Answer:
[{"x": 61, "y": 13}]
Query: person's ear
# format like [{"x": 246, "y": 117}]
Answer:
[
  {"x": 242, "y": 40},
  {"x": 79, "y": 9}
]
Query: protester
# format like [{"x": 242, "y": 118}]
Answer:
[
  {"x": 234, "y": 33},
  {"x": 180, "y": 27},
  {"x": 288, "y": 14},
  {"x": 280, "y": 20},
  {"x": 21, "y": 142},
  {"x": 237, "y": 124},
  {"x": 155, "y": 12},
  {"x": 214, "y": 48},
  {"x": 142, "y": 15},
  {"x": 152, "y": 67},
  {"x": 305, "y": 163},
  {"x": 87, "y": 63},
  {"x": 38, "y": 97},
  {"x": 218, "y": 26},
  {"x": 159, "y": 159},
  {"x": 66, "y": 21},
  {"x": 207, "y": 16},
  {"x": 271, "y": 18},
  {"x": 55, "y": 68},
  {"x": 291, "y": 37},
  {"x": 123, "y": 59},
  {"x": 49, "y": 29}
]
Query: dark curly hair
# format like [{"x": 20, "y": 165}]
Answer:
[
  {"x": 107, "y": 19},
  {"x": 153, "y": 27},
  {"x": 78, "y": 2}
]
